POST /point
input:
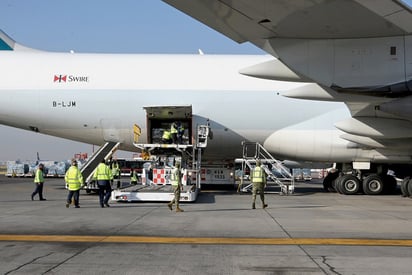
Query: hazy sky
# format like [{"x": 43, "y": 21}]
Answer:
[{"x": 132, "y": 26}]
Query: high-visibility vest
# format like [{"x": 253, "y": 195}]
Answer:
[
  {"x": 103, "y": 172},
  {"x": 166, "y": 135},
  {"x": 74, "y": 178},
  {"x": 175, "y": 177},
  {"x": 258, "y": 175},
  {"x": 173, "y": 129},
  {"x": 115, "y": 169},
  {"x": 39, "y": 177},
  {"x": 133, "y": 176}
]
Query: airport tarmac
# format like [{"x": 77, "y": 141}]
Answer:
[{"x": 310, "y": 232}]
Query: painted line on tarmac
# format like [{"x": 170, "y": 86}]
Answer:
[{"x": 205, "y": 240}]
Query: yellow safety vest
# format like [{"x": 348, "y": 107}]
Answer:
[
  {"x": 39, "y": 177},
  {"x": 74, "y": 178},
  {"x": 258, "y": 175},
  {"x": 133, "y": 176},
  {"x": 103, "y": 172},
  {"x": 166, "y": 135},
  {"x": 175, "y": 177},
  {"x": 173, "y": 129},
  {"x": 115, "y": 169}
]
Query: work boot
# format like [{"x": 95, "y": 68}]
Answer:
[
  {"x": 67, "y": 205},
  {"x": 253, "y": 206},
  {"x": 179, "y": 210},
  {"x": 170, "y": 206},
  {"x": 265, "y": 205}
]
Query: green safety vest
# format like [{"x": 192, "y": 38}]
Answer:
[
  {"x": 166, "y": 135},
  {"x": 103, "y": 172},
  {"x": 39, "y": 177},
  {"x": 115, "y": 169},
  {"x": 133, "y": 176},
  {"x": 258, "y": 175},
  {"x": 74, "y": 178},
  {"x": 175, "y": 177},
  {"x": 173, "y": 129}
]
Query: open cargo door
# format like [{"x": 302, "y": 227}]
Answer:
[{"x": 160, "y": 118}]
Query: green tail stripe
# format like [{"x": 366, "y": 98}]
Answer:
[{"x": 4, "y": 46}]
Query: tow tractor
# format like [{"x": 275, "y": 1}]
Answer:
[{"x": 155, "y": 180}]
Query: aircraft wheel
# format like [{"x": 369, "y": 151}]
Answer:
[
  {"x": 409, "y": 187},
  {"x": 404, "y": 187},
  {"x": 373, "y": 185},
  {"x": 338, "y": 185},
  {"x": 349, "y": 184}
]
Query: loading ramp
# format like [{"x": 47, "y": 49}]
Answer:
[{"x": 277, "y": 174}]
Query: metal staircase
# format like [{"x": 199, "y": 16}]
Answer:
[
  {"x": 105, "y": 151},
  {"x": 276, "y": 172}
]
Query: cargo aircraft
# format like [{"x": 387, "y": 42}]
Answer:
[
  {"x": 353, "y": 51},
  {"x": 360, "y": 85}
]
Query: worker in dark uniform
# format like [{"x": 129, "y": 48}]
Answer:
[
  {"x": 39, "y": 182},
  {"x": 104, "y": 176},
  {"x": 180, "y": 132},
  {"x": 173, "y": 132},
  {"x": 116, "y": 173},
  {"x": 258, "y": 178}
]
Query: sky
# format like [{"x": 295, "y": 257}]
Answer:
[
  {"x": 122, "y": 26},
  {"x": 103, "y": 26}
]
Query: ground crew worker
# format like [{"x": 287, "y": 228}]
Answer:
[
  {"x": 166, "y": 137},
  {"x": 180, "y": 132},
  {"x": 133, "y": 177},
  {"x": 258, "y": 178},
  {"x": 39, "y": 182},
  {"x": 74, "y": 181},
  {"x": 173, "y": 132},
  {"x": 176, "y": 181},
  {"x": 103, "y": 175},
  {"x": 116, "y": 172}
]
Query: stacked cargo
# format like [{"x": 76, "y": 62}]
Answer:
[{"x": 16, "y": 169}]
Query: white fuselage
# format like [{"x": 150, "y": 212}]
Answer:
[{"x": 94, "y": 98}]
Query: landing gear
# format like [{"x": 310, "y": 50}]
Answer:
[
  {"x": 405, "y": 187},
  {"x": 348, "y": 184},
  {"x": 372, "y": 185}
]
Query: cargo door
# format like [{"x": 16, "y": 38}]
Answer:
[{"x": 160, "y": 118}]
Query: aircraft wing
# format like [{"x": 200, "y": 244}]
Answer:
[
  {"x": 352, "y": 51},
  {"x": 257, "y": 21}
]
